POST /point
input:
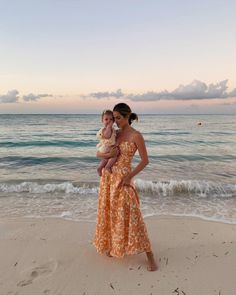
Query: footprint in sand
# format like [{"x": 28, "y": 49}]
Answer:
[{"x": 38, "y": 272}]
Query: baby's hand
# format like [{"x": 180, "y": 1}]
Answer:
[{"x": 110, "y": 124}]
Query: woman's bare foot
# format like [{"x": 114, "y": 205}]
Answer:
[
  {"x": 108, "y": 254},
  {"x": 152, "y": 265}
]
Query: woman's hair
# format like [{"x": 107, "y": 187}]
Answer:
[
  {"x": 107, "y": 112},
  {"x": 125, "y": 111}
]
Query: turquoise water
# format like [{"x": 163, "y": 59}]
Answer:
[{"x": 48, "y": 166}]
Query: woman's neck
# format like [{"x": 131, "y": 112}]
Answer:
[{"x": 126, "y": 127}]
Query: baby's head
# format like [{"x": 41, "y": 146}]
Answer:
[{"x": 107, "y": 117}]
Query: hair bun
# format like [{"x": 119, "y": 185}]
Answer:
[{"x": 133, "y": 117}]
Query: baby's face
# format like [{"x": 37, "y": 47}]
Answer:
[{"x": 107, "y": 119}]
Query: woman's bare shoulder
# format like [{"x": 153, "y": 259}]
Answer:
[
  {"x": 136, "y": 133},
  {"x": 136, "y": 136}
]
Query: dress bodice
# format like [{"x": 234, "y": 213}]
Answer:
[
  {"x": 123, "y": 164},
  {"x": 127, "y": 149}
]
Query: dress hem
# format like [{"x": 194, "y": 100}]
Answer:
[{"x": 125, "y": 254}]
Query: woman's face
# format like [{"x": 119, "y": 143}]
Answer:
[{"x": 121, "y": 121}]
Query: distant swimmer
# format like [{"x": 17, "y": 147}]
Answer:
[{"x": 199, "y": 123}]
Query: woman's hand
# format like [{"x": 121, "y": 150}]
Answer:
[
  {"x": 125, "y": 181},
  {"x": 113, "y": 153}
]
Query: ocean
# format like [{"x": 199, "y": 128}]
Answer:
[{"x": 48, "y": 166}]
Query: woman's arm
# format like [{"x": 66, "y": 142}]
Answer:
[{"x": 139, "y": 141}]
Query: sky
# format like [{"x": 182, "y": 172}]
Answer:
[{"x": 72, "y": 56}]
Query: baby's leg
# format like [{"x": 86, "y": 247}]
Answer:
[
  {"x": 101, "y": 165},
  {"x": 110, "y": 163}
]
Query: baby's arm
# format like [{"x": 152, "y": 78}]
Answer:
[{"x": 107, "y": 131}]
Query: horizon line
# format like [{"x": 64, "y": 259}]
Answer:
[{"x": 146, "y": 114}]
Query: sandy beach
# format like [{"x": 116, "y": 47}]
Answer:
[{"x": 55, "y": 256}]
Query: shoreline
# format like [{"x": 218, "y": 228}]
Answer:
[
  {"x": 161, "y": 216},
  {"x": 56, "y": 256}
]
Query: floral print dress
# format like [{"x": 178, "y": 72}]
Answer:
[{"x": 120, "y": 227}]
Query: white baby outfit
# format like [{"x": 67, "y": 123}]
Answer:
[{"x": 105, "y": 143}]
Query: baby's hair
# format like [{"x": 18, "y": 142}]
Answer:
[{"x": 107, "y": 112}]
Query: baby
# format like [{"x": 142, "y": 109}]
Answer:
[{"x": 107, "y": 138}]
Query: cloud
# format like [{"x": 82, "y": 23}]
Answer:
[
  {"x": 228, "y": 103},
  {"x": 12, "y": 96},
  {"x": 149, "y": 96},
  {"x": 233, "y": 93},
  {"x": 99, "y": 95},
  {"x": 197, "y": 90},
  {"x": 192, "y": 106},
  {"x": 33, "y": 97}
]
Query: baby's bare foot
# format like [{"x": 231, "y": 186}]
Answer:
[
  {"x": 108, "y": 169},
  {"x": 99, "y": 171}
]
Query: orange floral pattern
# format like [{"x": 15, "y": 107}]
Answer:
[{"x": 120, "y": 227}]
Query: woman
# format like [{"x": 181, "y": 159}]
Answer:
[{"x": 120, "y": 227}]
